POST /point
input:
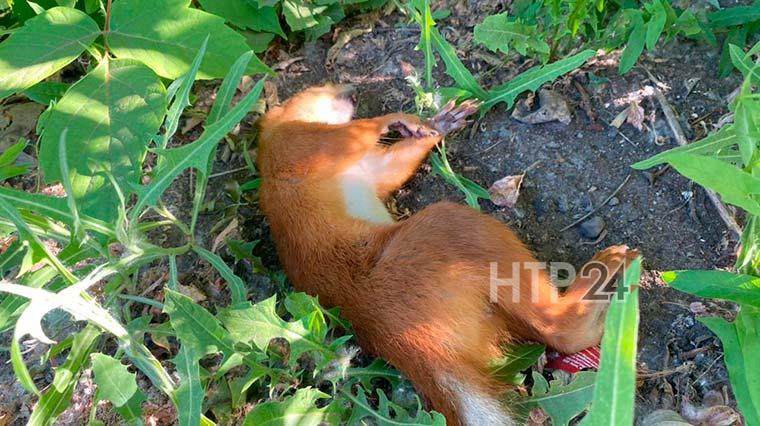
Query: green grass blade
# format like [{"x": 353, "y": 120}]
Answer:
[
  {"x": 615, "y": 388},
  {"x": 182, "y": 96},
  {"x": 19, "y": 367},
  {"x": 56, "y": 399},
  {"x": 744, "y": 289}
]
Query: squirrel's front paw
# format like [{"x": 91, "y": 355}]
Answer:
[
  {"x": 410, "y": 129},
  {"x": 453, "y": 117}
]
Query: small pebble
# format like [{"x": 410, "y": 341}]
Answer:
[
  {"x": 592, "y": 228},
  {"x": 614, "y": 201},
  {"x": 562, "y": 205}
]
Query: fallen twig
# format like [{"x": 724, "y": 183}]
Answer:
[
  {"x": 675, "y": 126},
  {"x": 606, "y": 200}
]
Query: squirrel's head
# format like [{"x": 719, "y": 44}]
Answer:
[{"x": 329, "y": 104}]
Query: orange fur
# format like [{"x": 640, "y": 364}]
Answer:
[{"x": 417, "y": 291}]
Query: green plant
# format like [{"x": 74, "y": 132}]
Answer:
[
  {"x": 466, "y": 86},
  {"x": 99, "y": 235},
  {"x": 728, "y": 162},
  {"x": 610, "y": 24}
]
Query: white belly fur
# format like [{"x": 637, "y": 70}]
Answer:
[{"x": 360, "y": 199}]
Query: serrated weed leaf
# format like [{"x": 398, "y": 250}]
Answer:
[
  {"x": 44, "y": 45},
  {"x": 298, "y": 409},
  {"x": 532, "y": 79},
  {"x": 189, "y": 394},
  {"x": 260, "y": 323},
  {"x": 561, "y": 402},
  {"x": 195, "y": 155},
  {"x": 115, "y": 382},
  {"x": 196, "y": 328}
]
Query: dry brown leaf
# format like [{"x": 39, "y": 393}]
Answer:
[
  {"x": 537, "y": 417},
  {"x": 553, "y": 106},
  {"x": 635, "y": 116},
  {"x": 17, "y": 121},
  {"x": 223, "y": 236},
  {"x": 718, "y": 415},
  {"x": 620, "y": 118},
  {"x": 271, "y": 94},
  {"x": 192, "y": 292},
  {"x": 343, "y": 39},
  {"x": 505, "y": 191}
]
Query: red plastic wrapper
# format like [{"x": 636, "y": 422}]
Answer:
[{"x": 587, "y": 359}]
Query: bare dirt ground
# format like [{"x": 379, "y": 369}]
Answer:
[{"x": 570, "y": 170}]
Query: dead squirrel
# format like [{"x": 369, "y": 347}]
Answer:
[{"x": 418, "y": 292}]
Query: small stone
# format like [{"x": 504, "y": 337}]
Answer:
[
  {"x": 614, "y": 201},
  {"x": 592, "y": 228},
  {"x": 562, "y": 205}
]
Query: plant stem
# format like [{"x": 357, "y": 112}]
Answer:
[{"x": 106, "y": 29}]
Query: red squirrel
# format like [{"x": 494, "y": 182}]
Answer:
[{"x": 418, "y": 292}]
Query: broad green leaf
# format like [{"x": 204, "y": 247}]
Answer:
[
  {"x": 196, "y": 328},
  {"x": 516, "y": 359},
  {"x": 44, "y": 45},
  {"x": 301, "y": 14},
  {"x": 189, "y": 393},
  {"x": 735, "y": 186},
  {"x": 56, "y": 399},
  {"x": 496, "y": 32},
  {"x": 111, "y": 115},
  {"x": 748, "y": 259},
  {"x": 166, "y": 36},
  {"x": 387, "y": 413},
  {"x": 260, "y": 323},
  {"x": 46, "y": 91},
  {"x": 561, "y": 402},
  {"x": 724, "y": 285},
  {"x": 710, "y": 145},
  {"x": 454, "y": 67},
  {"x": 195, "y": 155},
  {"x": 615, "y": 388},
  {"x": 533, "y": 79},
  {"x": 235, "y": 283},
  {"x": 244, "y": 14},
  {"x": 742, "y": 366},
  {"x": 635, "y": 44},
  {"x": 299, "y": 409},
  {"x": 656, "y": 23},
  {"x": 115, "y": 382}
]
